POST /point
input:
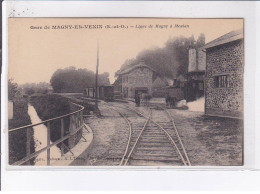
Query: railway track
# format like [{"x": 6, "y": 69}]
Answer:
[{"x": 151, "y": 144}]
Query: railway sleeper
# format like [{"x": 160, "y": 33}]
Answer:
[
  {"x": 152, "y": 131},
  {"x": 152, "y": 144},
  {"x": 156, "y": 140},
  {"x": 155, "y": 155},
  {"x": 161, "y": 149},
  {"x": 160, "y": 159},
  {"x": 153, "y": 135},
  {"x": 166, "y": 153},
  {"x": 148, "y": 144},
  {"x": 162, "y": 137}
]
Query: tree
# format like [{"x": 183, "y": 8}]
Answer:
[
  {"x": 76, "y": 80},
  {"x": 169, "y": 61},
  {"x": 12, "y": 89},
  {"x": 30, "y": 91},
  {"x": 201, "y": 40},
  {"x": 31, "y": 88}
]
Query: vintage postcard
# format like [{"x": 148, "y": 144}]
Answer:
[{"x": 125, "y": 92}]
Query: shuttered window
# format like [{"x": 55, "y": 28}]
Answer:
[{"x": 222, "y": 81}]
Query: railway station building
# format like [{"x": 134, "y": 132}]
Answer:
[
  {"x": 136, "y": 79},
  {"x": 118, "y": 87},
  {"x": 224, "y": 75}
]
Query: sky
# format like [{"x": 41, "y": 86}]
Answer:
[{"x": 36, "y": 52}]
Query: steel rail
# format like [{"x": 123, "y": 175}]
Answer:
[
  {"x": 46, "y": 121},
  {"x": 173, "y": 142},
  {"x": 130, "y": 133},
  {"x": 179, "y": 138},
  {"x": 167, "y": 134},
  {"x": 129, "y": 140},
  {"x": 130, "y": 154},
  {"x": 169, "y": 137}
]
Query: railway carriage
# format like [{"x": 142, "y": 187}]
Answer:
[
  {"x": 104, "y": 92},
  {"x": 89, "y": 92}
]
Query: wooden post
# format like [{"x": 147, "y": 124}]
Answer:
[
  {"x": 78, "y": 119},
  {"x": 48, "y": 143},
  {"x": 62, "y": 135},
  {"x": 81, "y": 118},
  {"x": 71, "y": 129},
  {"x": 96, "y": 93},
  {"x": 28, "y": 144}
]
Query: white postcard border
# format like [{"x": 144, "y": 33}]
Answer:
[{"x": 246, "y": 10}]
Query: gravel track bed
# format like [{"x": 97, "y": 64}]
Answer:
[{"x": 209, "y": 141}]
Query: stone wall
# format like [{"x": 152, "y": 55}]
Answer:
[
  {"x": 226, "y": 59},
  {"x": 139, "y": 77}
]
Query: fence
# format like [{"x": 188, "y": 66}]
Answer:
[{"x": 76, "y": 125}]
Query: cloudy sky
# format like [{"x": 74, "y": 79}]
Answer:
[{"x": 35, "y": 54}]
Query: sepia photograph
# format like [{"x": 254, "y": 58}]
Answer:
[{"x": 125, "y": 92}]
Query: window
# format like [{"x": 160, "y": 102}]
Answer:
[{"x": 222, "y": 81}]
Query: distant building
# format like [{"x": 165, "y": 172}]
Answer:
[
  {"x": 118, "y": 87},
  {"x": 224, "y": 75},
  {"x": 196, "y": 74},
  {"x": 136, "y": 79}
]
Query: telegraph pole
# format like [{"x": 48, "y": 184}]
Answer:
[{"x": 96, "y": 102}]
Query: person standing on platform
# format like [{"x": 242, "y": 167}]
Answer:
[{"x": 137, "y": 100}]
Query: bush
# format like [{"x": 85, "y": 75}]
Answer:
[
  {"x": 18, "y": 139},
  {"x": 51, "y": 106}
]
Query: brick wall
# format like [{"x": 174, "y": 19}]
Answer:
[
  {"x": 227, "y": 59},
  {"x": 139, "y": 77}
]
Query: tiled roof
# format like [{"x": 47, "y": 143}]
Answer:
[
  {"x": 231, "y": 36},
  {"x": 140, "y": 65}
]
